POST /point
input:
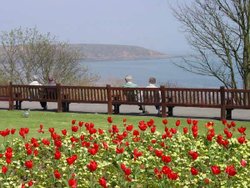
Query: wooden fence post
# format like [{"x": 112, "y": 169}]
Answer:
[
  {"x": 11, "y": 102},
  {"x": 222, "y": 99},
  {"x": 59, "y": 98},
  {"x": 109, "y": 99},
  {"x": 163, "y": 101}
]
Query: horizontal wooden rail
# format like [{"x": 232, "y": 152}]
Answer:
[{"x": 224, "y": 99}]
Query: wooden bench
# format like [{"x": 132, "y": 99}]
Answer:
[
  {"x": 35, "y": 93},
  {"x": 167, "y": 98},
  {"x": 135, "y": 96},
  {"x": 5, "y": 94}
]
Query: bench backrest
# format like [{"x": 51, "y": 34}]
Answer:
[
  {"x": 4, "y": 93},
  {"x": 142, "y": 96},
  {"x": 84, "y": 94}
]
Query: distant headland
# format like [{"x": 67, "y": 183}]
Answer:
[{"x": 104, "y": 52}]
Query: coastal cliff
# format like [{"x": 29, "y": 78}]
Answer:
[{"x": 102, "y": 52}]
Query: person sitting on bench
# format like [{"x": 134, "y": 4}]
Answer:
[
  {"x": 157, "y": 96},
  {"x": 132, "y": 96},
  {"x": 36, "y": 83}
]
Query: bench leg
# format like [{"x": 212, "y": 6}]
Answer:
[
  {"x": 170, "y": 111},
  {"x": 65, "y": 107},
  {"x": 18, "y": 105},
  {"x": 116, "y": 108},
  {"x": 229, "y": 113}
]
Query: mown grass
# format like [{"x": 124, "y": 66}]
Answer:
[{"x": 15, "y": 119}]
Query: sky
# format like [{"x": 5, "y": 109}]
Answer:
[{"x": 145, "y": 23}]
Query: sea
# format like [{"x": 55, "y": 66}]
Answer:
[{"x": 165, "y": 71}]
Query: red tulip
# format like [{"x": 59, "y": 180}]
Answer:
[
  {"x": 92, "y": 166},
  {"x": 4, "y": 169},
  {"x": 74, "y": 128},
  {"x": 51, "y": 130},
  {"x": 137, "y": 154},
  {"x": 195, "y": 122},
  {"x": 57, "y": 174},
  {"x": 165, "y": 121},
  {"x": 100, "y": 131},
  {"x": 173, "y": 130},
  {"x": 230, "y": 170},
  {"x": 242, "y": 140},
  {"x": 30, "y": 183},
  {"x": 71, "y": 160},
  {"x": 29, "y": 164},
  {"x": 103, "y": 182},
  {"x": 233, "y": 124},
  {"x": 80, "y": 123},
  {"x": 64, "y": 132},
  {"x": 142, "y": 125},
  {"x": 166, "y": 158},
  {"x": 158, "y": 153},
  {"x": 72, "y": 183},
  {"x": 8, "y": 160},
  {"x": 229, "y": 135},
  {"x": 224, "y": 121},
  {"x": 129, "y": 127},
  {"x": 73, "y": 121},
  {"x": 215, "y": 169},
  {"x": 166, "y": 170},
  {"x": 92, "y": 151},
  {"x": 36, "y": 152},
  {"x": 243, "y": 163},
  {"x": 177, "y": 123},
  {"x": 45, "y": 142},
  {"x": 13, "y": 131},
  {"x": 242, "y": 130},
  {"x": 194, "y": 171},
  {"x": 57, "y": 155},
  {"x": 119, "y": 150},
  {"x": 136, "y": 133},
  {"x": 189, "y": 121},
  {"x": 58, "y": 143},
  {"x": 173, "y": 176},
  {"x": 185, "y": 130},
  {"x": 92, "y": 131},
  {"x": 109, "y": 119},
  {"x": 127, "y": 171},
  {"x": 153, "y": 129},
  {"x": 193, "y": 154}
]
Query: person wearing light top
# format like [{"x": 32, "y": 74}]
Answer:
[
  {"x": 129, "y": 82},
  {"x": 152, "y": 84},
  {"x": 133, "y": 96},
  {"x": 36, "y": 83}
]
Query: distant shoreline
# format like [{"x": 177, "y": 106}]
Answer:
[{"x": 123, "y": 59}]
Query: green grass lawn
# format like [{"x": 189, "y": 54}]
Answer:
[{"x": 15, "y": 119}]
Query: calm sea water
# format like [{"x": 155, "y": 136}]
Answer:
[{"x": 164, "y": 70}]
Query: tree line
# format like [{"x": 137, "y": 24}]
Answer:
[{"x": 28, "y": 52}]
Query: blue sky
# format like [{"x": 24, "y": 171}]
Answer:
[{"x": 146, "y": 23}]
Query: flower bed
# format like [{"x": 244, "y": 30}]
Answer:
[{"x": 131, "y": 156}]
